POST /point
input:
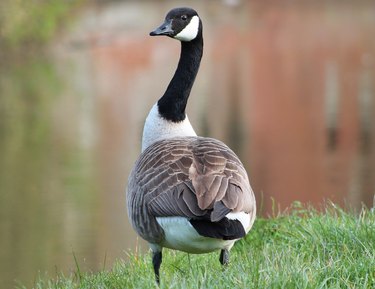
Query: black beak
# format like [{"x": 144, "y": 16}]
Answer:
[{"x": 164, "y": 29}]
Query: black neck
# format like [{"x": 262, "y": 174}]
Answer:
[{"x": 173, "y": 103}]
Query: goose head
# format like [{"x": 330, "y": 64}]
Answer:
[{"x": 182, "y": 24}]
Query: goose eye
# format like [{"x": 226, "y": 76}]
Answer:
[{"x": 184, "y": 17}]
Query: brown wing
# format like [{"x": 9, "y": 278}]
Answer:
[{"x": 194, "y": 177}]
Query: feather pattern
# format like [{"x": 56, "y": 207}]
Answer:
[{"x": 194, "y": 177}]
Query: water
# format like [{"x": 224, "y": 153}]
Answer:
[{"x": 289, "y": 88}]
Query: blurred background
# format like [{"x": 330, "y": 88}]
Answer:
[{"x": 288, "y": 85}]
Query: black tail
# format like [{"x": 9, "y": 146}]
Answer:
[{"x": 224, "y": 229}]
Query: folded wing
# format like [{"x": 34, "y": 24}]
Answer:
[{"x": 193, "y": 177}]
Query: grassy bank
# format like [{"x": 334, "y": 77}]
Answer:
[{"x": 299, "y": 249}]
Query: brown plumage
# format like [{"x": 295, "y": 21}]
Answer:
[{"x": 192, "y": 177}]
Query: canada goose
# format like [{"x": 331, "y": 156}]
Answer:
[{"x": 186, "y": 192}]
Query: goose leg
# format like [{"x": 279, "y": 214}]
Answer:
[
  {"x": 224, "y": 257},
  {"x": 156, "y": 262}
]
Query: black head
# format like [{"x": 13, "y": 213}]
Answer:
[{"x": 180, "y": 23}]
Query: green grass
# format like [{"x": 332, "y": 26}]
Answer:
[{"x": 303, "y": 248}]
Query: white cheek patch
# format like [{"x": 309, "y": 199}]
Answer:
[{"x": 190, "y": 31}]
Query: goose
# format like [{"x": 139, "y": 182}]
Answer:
[{"x": 186, "y": 192}]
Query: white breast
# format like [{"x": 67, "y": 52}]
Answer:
[{"x": 157, "y": 128}]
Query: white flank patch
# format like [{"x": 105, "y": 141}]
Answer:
[
  {"x": 157, "y": 128},
  {"x": 180, "y": 235},
  {"x": 190, "y": 31},
  {"x": 243, "y": 217}
]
